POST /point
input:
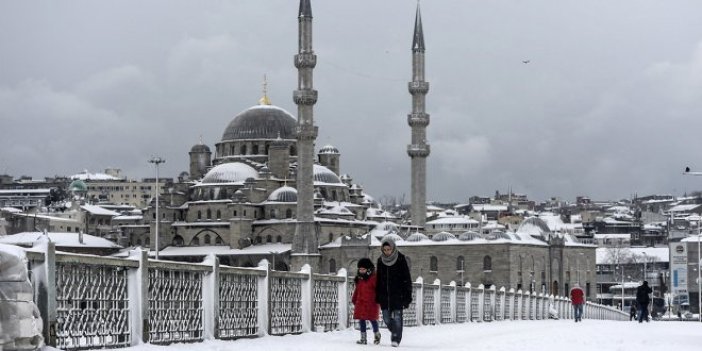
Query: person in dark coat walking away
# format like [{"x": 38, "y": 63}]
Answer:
[
  {"x": 642, "y": 299},
  {"x": 632, "y": 311},
  {"x": 394, "y": 288},
  {"x": 577, "y": 298},
  {"x": 365, "y": 308}
]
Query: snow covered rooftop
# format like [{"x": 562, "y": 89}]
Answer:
[
  {"x": 453, "y": 220},
  {"x": 99, "y": 211},
  {"x": 28, "y": 239},
  {"x": 263, "y": 249}
]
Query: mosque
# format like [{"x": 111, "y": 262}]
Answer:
[{"x": 265, "y": 193}]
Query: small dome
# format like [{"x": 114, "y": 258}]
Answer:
[
  {"x": 200, "y": 148},
  {"x": 396, "y": 238},
  {"x": 495, "y": 235},
  {"x": 78, "y": 186},
  {"x": 443, "y": 236},
  {"x": 229, "y": 173},
  {"x": 387, "y": 226},
  {"x": 283, "y": 194},
  {"x": 417, "y": 237},
  {"x": 261, "y": 122},
  {"x": 468, "y": 236},
  {"x": 328, "y": 149},
  {"x": 325, "y": 175}
]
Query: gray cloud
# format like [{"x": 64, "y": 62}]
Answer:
[{"x": 608, "y": 106}]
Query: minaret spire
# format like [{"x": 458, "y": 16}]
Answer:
[
  {"x": 418, "y": 120},
  {"x": 305, "y": 247}
]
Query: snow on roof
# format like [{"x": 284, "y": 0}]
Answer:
[
  {"x": 99, "y": 211},
  {"x": 612, "y": 236},
  {"x": 127, "y": 218},
  {"x": 683, "y": 208},
  {"x": 434, "y": 208},
  {"x": 85, "y": 175},
  {"x": 692, "y": 238},
  {"x": 10, "y": 210},
  {"x": 61, "y": 239},
  {"x": 489, "y": 208},
  {"x": 453, "y": 220},
  {"x": 263, "y": 249},
  {"x": 25, "y": 191}
]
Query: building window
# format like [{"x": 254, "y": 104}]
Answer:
[
  {"x": 218, "y": 240},
  {"x": 219, "y": 214},
  {"x": 433, "y": 264},
  {"x": 147, "y": 241},
  {"x": 288, "y": 213},
  {"x": 243, "y": 149},
  {"x": 331, "y": 237},
  {"x": 487, "y": 263},
  {"x": 269, "y": 238},
  {"x": 258, "y": 240},
  {"x": 254, "y": 150},
  {"x": 209, "y": 214},
  {"x": 332, "y": 266},
  {"x": 178, "y": 240},
  {"x": 196, "y": 241},
  {"x": 278, "y": 239},
  {"x": 272, "y": 213},
  {"x": 460, "y": 264},
  {"x": 207, "y": 239},
  {"x": 199, "y": 215}
]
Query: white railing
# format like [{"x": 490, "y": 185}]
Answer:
[{"x": 90, "y": 302}]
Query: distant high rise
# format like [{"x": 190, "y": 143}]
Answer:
[
  {"x": 418, "y": 120},
  {"x": 305, "y": 246}
]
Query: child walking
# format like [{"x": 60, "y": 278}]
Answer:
[{"x": 365, "y": 307}]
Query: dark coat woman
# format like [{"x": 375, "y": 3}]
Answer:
[{"x": 394, "y": 286}]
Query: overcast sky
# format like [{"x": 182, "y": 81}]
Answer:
[{"x": 609, "y": 105}]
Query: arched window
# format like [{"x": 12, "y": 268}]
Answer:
[
  {"x": 278, "y": 239},
  {"x": 293, "y": 151},
  {"x": 219, "y": 214},
  {"x": 258, "y": 240},
  {"x": 273, "y": 213},
  {"x": 243, "y": 149},
  {"x": 234, "y": 213},
  {"x": 196, "y": 241},
  {"x": 147, "y": 241},
  {"x": 207, "y": 239},
  {"x": 487, "y": 263},
  {"x": 177, "y": 240},
  {"x": 254, "y": 150},
  {"x": 231, "y": 150},
  {"x": 332, "y": 266},
  {"x": 269, "y": 238},
  {"x": 288, "y": 213},
  {"x": 218, "y": 240},
  {"x": 209, "y": 214},
  {"x": 433, "y": 264},
  {"x": 138, "y": 242},
  {"x": 331, "y": 237},
  {"x": 174, "y": 217},
  {"x": 460, "y": 264},
  {"x": 199, "y": 214},
  {"x": 334, "y": 195}
]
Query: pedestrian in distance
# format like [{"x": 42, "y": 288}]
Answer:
[
  {"x": 632, "y": 311},
  {"x": 394, "y": 288},
  {"x": 577, "y": 298},
  {"x": 643, "y": 299},
  {"x": 363, "y": 299}
]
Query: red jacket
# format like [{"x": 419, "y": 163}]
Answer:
[
  {"x": 363, "y": 299},
  {"x": 577, "y": 296}
]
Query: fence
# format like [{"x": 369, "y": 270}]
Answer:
[{"x": 90, "y": 302}]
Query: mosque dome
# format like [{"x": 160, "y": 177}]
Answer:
[
  {"x": 325, "y": 175},
  {"x": 283, "y": 194},
  {"x": 443, "y": 236},
  {"x": 387, "y": 226},
  {"x": 78, "y": 186},
  {"x": 229, "y": 173},
  {"x": 200, "y": 148},
  {"x": 261, "y": 122},
  {"x": 468, "y": 236},
  {"x": 417, "y": 237},
  {"x": 328, "y": 149},
  {"x": 396, "y": 238},
  {"x": 497, "y": 234}
]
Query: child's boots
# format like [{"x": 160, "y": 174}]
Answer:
[{"x": 363, "y": 340}]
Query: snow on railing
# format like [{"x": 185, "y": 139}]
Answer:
[{"x": 90, "y": 302}]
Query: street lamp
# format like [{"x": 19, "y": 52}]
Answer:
[
  {"x": 157, "y": 161},
  {"x": 699, "y": 235}
]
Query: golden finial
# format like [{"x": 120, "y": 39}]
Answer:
[{"x": 265, "y": 100}]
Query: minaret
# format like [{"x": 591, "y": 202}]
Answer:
[
  {"x": 305, "y": 247},
  {"x": 418, "y": 150}
]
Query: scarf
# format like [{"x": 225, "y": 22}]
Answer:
[{"x": 392, "y": 258}]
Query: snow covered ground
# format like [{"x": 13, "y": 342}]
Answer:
[{"x": 507, "y": 336}]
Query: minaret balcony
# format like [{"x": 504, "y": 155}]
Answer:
[
  {"x": 418, "y": 150},
  {"x": 418, "y": 119},
  {"x": 305, "y": 60},
  {"x": 305, "y": 97},
  {"x": 418, "y": 87}
]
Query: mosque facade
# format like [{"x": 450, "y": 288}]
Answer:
[{"x": 263, "y": 192}]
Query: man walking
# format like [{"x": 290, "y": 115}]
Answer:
[
  {"x": 577, "y": 298},
  {"x": 642, "y": 299}
]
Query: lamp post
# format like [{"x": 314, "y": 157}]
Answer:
[
  {"x": 157, "y": 161},
  {"x": 699, "y": 235}
]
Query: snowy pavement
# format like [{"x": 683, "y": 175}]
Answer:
[{"x": 505, "y": 336}]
